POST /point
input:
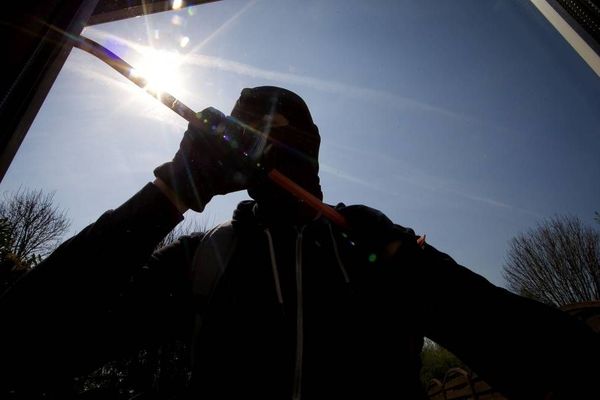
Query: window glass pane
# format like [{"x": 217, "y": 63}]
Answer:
[{"x": 469, "y": 122}]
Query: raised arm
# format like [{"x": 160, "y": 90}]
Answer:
[
  {"x": 55, "y": 320},
  {"x": 102, "y": 289},
  {"x": 523, "y": 348}
]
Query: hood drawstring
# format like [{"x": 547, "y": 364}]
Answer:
[
  {"x": 337, "y": 254},
  {"x": 274, "y": 261},
  {"x": 274, "y": 266}
]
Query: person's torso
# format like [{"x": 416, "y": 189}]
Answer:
[{"x": 296, "y": 315}]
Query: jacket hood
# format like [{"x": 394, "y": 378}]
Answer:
[{"x": 250, "y": 213}]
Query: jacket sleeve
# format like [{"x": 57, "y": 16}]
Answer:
[
  {"x": 523, "y": 348},
  {"x": 95, "y": 296}
]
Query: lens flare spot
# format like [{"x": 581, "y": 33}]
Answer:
[
  {"x": 372, "y": 257},
  {"x": 177, "y": 20},
  {"x": 177, "y": 4},
  {"x": 184, "y": 41},
  {"x": 117, "y": 47}
]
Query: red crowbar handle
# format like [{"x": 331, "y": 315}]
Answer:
[{"x": 312, "y": 201}]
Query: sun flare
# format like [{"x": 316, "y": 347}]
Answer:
[{"x": 161, "y": 70}]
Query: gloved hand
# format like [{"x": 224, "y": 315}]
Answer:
[
  {"x": 207, "y": 163},
  {"x": 377, "y": 237}
]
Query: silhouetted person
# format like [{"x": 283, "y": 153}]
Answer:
[{"x": 279, "y": 303}]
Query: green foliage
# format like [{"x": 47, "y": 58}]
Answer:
[{"x": 436, "y": 361}]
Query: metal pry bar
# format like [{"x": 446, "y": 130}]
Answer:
[{"x": 125, "y": 69}]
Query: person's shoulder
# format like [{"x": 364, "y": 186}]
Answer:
[
  {"x": 361, "y": 207},
  {"x": 225, "y": 228},
  {"x": 219, "y": 235},
  {"x": 362, "y": 211},
  {"x": 361, "y": 216}
]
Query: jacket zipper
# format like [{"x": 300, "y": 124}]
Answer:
[{"x": 299, "y": 320}]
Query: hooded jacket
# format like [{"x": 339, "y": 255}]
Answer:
[{"x": 300, "y": 311}]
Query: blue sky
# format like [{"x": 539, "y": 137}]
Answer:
[{"x": 469, "y": 121}]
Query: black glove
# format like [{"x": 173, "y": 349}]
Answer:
[
  {"x": 377, "y": 237},
  {"x": 209, "y": 162}
]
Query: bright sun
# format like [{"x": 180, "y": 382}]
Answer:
[{"x": 161, "y": 69}]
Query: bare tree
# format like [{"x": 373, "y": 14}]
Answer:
[
  {"x": 557, "y": 263},
  {"x": 33, "y": 225}
]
